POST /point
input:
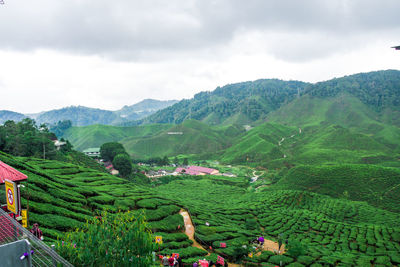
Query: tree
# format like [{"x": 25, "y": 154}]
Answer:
[
  {"x": 61, "y": 127},
  {"x": 122, "y": 239},
  {"x": 165, "y": 161},
  {"x": 176, "y": 161},
  {"x": 109, "y": 150},
  {"x": 122, "y": 162},
  {"x": 185, "y": 162}
]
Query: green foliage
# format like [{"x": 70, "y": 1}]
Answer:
[
  {"x": 109, "y": 150},
  {"x": 95, "y": 135},
  {"x": 120, "y": 239},
  {"x": 123, "y": 163},
  {"x": 79, "y": 116},
  {"x": 26, "y": 139},
  {"x": 376, "y": 185},
  {"x": 296, "y": 248},
  {"x": 61, "y": 126},
  {"x": 234, "y": 103}
]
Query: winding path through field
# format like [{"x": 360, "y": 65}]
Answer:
[
  {"x": 189, "y": 231},
  {"x": 189, "y": 228}
]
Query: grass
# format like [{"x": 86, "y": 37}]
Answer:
[
  {"x": 62, "y": 196},
  {"x": 95, "y": 135}
]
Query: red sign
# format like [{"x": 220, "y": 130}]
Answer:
[
  {"x": 10, "y": 197},
  {"x": 203, "y": 263},
  {"x": 222, "y": 245}
]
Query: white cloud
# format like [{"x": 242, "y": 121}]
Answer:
[{"x": 109, "y": 54}]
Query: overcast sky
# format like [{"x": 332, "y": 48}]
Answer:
[{"x": 107, "y": 54}]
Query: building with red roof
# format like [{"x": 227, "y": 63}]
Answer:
[
  {"x": 9, "y": 173},
  {"x": 197, "y": 170}
]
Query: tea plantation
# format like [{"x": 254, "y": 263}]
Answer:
[{"x": 333, "y": 232}]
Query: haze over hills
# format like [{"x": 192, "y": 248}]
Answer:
[
  {"x": 83, "y": 116},
  {"x": 6, "y": 115},
  {"x": 316, "y": 162}
]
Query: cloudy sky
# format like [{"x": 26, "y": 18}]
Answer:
[{"x": 107, "y": 54}]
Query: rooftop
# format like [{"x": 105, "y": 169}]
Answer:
[
  {"x": 92, "y": 150},
  {"x": 9, "y": 173}
]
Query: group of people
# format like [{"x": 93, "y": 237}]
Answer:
[
  {"x": 205, "y": 263},
  {"x": 175, "y": 261}
]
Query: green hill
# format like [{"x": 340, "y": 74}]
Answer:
[
  {"x": 95, "y": 135},
  {"x": 63, "y": 196},
  {"x": 260, "y": 144},
  {"x": 6, "y": 115},
  {"x": 190, "y": 137},
  {"x": 241, "y": 103},
  {"x": 379, "y": 186},
  {"x": 79, "y": 116}
]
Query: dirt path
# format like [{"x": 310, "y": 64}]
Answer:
[
  {"x": 189, "y": 231},
  {"x": 273, "y": 246},
  {"x": 189, "y": 228}
]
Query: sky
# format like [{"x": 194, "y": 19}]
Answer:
[{"x": 107, "y": 54}]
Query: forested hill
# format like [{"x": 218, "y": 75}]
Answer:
[
  {"x": 79, "y": 116},
  {"x": 249, "y": 102},
  {"x": 379, "y": 90},
  {"x": 6, "y": 115},
  {"x": 234, "y": 103},
  {"x": 83, "y": 116}
]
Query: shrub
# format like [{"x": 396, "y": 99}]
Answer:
[
  {"x": 114, "y": 240},
  {"x": 280, "y": 258}
]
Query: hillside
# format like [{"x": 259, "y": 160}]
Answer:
[
  {"x": 260, "y": 144},
  {"x": 95, "y": 135},
  {"x": 379, "y": 186},
  {"x": 6, "y": 115},
  {"x": 241, "y": 103},
  {"x": 250, "y": 102},
  {"x": 83, "y": 116},
  {"x": 79, "y": 116},
  {"x": 143, "y": 109},
  {"x": 190, "y": 137},
  {"x": 334, "y": 232}
]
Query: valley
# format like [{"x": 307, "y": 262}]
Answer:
[{"x": 315, "y": 166}]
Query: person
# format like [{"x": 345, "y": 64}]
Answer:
[
  {"x": 176, "y": 263},
  {"x": 261, "y": 240},
  {"x": 165, "y": 261},
  {"x": 171, "y": 261},
  {"x": 36, "y": 231}
]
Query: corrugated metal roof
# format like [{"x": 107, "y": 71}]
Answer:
[{"x": 9, "y": 173}]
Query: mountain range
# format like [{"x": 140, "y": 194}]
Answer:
[{"x": 82, "y": 116}]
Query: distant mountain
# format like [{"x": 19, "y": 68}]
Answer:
[
  {"x": 256, "y": 102},
  {"x": 6, "y": 115},
  {"x": 241, "y": 103},
  {"x": 79, "y": 116},
  {"x": 83, "y": 116},
  {"x": 142, "y": 109}
]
